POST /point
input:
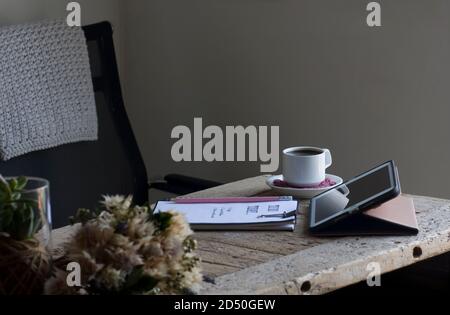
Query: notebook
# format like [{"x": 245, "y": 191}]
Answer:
[{"x": 255, "y": 216}]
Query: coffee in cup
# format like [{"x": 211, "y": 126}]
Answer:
[{"x": 305, "y": 166}]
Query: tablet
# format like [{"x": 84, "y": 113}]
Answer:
[{"x": 367, "y": 190}]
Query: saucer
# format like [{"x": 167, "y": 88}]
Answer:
[{"x": 301, "y": 193}]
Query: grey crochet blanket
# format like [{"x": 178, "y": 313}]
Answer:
[{"x": 46, "y": 93}]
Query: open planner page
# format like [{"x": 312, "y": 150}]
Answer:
[{"x": 232, "y": 213}]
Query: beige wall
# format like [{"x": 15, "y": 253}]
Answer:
[{"x": 311, "y": 66}]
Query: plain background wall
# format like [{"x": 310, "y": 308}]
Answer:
[{"x": 313, "y": 67}]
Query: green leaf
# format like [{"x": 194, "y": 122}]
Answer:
[
  {"x": 163, "y": 220},
  {"x": 139, "y": 282},
  {"x": 145, "y": 284},
  {"x": 21, "y": 182},
  {"x": 13, "y": 184},
  {"x": 17, "y": 215},
  {"x": 83, "y": 216},
  {"x": 133, "y": 277},
  {"x": 4, "y": 186},
  {"x": 16, "y": 196},
  {"x": 23, "y": 223}
]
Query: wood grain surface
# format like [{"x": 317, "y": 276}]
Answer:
[{"x": 261, "y": 262}]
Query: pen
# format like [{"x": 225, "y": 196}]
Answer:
[
  {"x": 231, "y": 199},
  {"x": 279, "y": 215}
]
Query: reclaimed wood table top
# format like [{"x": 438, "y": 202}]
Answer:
[{"x": 260, "y": 262}]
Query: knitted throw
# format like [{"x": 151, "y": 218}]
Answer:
[{"x": 46, "y": 92}]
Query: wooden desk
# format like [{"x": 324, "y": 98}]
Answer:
[{"x": 296, "y": 263}]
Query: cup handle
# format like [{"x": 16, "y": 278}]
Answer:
[
  {"x": 344, "y": 190},
  {"x": 328, "y": 159}
]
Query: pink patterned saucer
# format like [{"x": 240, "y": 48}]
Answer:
[{"x": 280, "y": 186}]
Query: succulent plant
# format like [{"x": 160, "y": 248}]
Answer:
[
  {"x": 17, "y": 213},
  {"x": 24, "y": 261}
]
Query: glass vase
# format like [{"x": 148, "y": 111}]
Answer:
[
  {"x": 38, "y": 190},
  {"x": 25, "y": 243}
]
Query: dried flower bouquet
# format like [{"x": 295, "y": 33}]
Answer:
[{"x": 126, "y": 249}]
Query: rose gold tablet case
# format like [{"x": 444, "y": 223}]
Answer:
[{"x": 394, "y": 217}]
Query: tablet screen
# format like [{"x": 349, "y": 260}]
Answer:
[{"x": 353, "y": 193}]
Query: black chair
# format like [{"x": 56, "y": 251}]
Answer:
[{"x": 80, "y": 173}]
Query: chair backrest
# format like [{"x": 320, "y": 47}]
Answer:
[{"x": 80, "y": 173}]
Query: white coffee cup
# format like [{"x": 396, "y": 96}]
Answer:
[{"x": 305, "y": 166}]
